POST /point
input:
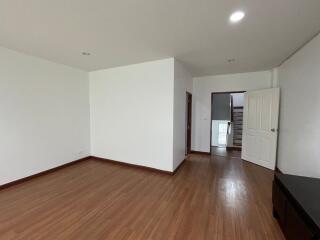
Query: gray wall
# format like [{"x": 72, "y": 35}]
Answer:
[{"x": 221, "y": 107}]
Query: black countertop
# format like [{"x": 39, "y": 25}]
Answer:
[{"x": 306, "y": 191}]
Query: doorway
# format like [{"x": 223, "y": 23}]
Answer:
[
  {"x": 226, "y": 121},
  {"x": 188, "y": 122}
]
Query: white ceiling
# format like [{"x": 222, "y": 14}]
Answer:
[{"x": 197, "y": 32}]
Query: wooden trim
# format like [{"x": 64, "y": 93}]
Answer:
[
  {"x": 25, "y": 179},
  {"x": 255, "y": 164},
  {"x": 228, "y": 92},
  {"x": 277, "y": 170},
  {"x": 179, "y": 166},
  {"x": 233, "y": 148},
  {"x": 199, "y": 152},
  {"x": 150, "y": 169},
  {"x": 188, "y": 122}
]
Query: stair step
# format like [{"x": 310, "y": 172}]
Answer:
[{"x": 237, "y": 133}]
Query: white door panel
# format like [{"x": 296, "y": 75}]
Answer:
[{"x": 260, "y": 124}]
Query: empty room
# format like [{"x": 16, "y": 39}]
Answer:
[{"x": 159, "y": 120}]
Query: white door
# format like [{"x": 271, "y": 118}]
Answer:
[{"x": 260, "y": 127}]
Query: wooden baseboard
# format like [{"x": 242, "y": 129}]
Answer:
[
  {"x": 179, "y": 166},
  {"x": 19, "y": 181},
  {"x": 150, "y": 169},
  {"x": 277, "y": 170},
  {"x": 233, "y": 148},
  {"x": 22, "y": 180},
  {"x": 199, "y": 152}
]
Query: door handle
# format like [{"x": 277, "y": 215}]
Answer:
[{"x": 273, "y": 129}]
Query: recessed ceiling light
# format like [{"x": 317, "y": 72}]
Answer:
[
  {"x": 86, "y": 53},
  {"x": 237, "y": 16}
]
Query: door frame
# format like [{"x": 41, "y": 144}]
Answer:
[
  {"x": 188, "y": 122},
  {"x": 211, "y": 106}
]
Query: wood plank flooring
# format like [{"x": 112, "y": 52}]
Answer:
[{"x": 217, "y": 197}]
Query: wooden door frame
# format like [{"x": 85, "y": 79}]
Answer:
[
  {"x": 211, "y": 105},
  {"x": 188, "y": 131}
]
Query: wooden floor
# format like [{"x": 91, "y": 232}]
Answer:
[{"x": 218, "y": 197}]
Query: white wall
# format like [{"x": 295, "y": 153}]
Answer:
[
  {"x": 215, "y": 133},
  {"x": 182, "y": 84},
  {"x": 132, "y": 113},
  {"x": 238, "y": 99},
  {"x": 299, "y": 134},
  {"x": 202, "y": 89},
  {"x": 44, "y": 119}
]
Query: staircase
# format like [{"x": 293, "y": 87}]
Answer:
[{"x": 237, "y": 126}]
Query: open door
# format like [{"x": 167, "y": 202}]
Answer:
[{"x": 260, "y": 127}]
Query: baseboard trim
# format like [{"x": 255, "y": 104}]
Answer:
[
  {"x": 25, "y": 179},
  {"x": 105, "y": 160},
  {"x": 179, "y": 166},
  {"x": 199, "y": 152},
  {"x": 150, "y": 169},
  {"x": 277, "y": 170},
  {"x": 234, "y": 149}
]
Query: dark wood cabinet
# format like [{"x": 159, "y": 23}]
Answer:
[
  {"x": 296, "y": 205},
  {"x": 279, "y": 204}
]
